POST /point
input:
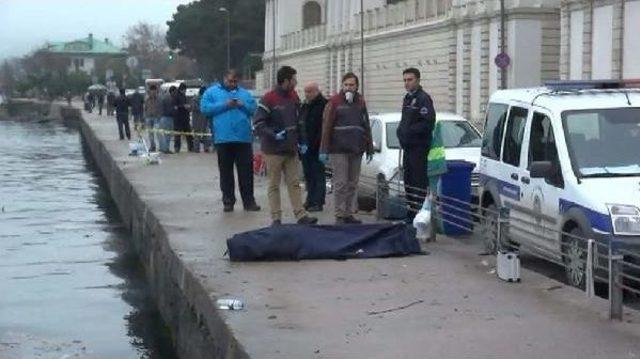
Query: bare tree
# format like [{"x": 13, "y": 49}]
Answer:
[{"x": 147, "y": 43}]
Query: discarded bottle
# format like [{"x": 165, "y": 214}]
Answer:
[{"x": 230, "y": 304}]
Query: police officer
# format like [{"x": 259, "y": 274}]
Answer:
[{"x": 414, "y": 134}]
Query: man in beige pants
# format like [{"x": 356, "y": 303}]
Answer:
[
  {"x": 277, "y": 124},
  {"x": 346, "y": 135}
]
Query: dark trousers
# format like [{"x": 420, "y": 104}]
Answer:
[
  {"x": 240, "y": 155},
  {"x": 314, "y": 178},
  {"x": 123, "y": 124},
  {"x": 416, "y": 181},
  {"x": 181, "y": 124}
]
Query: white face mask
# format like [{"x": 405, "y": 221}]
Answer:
[{"x": 349, "y": 96}]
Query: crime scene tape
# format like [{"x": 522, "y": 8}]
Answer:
[{"x": 172, "y": 132}]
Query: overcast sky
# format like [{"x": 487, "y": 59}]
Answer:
[{"x": 27, "y": 24}]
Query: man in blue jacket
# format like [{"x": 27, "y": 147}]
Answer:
[{"x": 230, "y": 108}]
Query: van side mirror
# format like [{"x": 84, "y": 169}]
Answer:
[
  {"x": 541, "y": 169},
  {"x": 376, "y": 147}
]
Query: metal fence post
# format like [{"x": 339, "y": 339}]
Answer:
[
  {"x": 434, "y": 220},
  {"x": 503, "y": 222},
  {"x": 589, "y": 289},
  {"x": 615, "y": 290}
]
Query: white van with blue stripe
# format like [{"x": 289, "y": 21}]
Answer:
[{"x": 565, "y": 160}]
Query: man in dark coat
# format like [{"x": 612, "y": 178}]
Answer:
[
  {"x": 181, "y": 121},
  {"x": 122, "y": 105},
  {"x": 314, "y": 170},
  {"x": 137, "y": 109}
]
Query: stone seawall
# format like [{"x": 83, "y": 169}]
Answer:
[{"x": 197, "y": 328}]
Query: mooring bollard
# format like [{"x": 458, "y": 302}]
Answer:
[{"x": 615, "y": 289}]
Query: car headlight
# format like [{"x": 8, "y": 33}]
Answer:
[{"x": 625, "y": 219}]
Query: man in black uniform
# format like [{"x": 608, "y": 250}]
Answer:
[
  {"x": 181, "y": 120},
  {"x": 414, "y": 134},
  {"x": 122, "y": 105}
]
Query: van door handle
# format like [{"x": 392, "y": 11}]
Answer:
[
  {"x": 525, "y": 180},
  {"x": 514, "y": 176}
]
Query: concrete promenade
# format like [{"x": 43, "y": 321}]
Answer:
[{"x": 327, "y": 309}]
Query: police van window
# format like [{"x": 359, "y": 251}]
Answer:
[
  {"x": 493, "y": 127},
  {"x": 603, "y": 142},
  {"x": 513, "y": 136},
  {"x": 376, "y": 133},
  {"x": 542, "y": 146}
]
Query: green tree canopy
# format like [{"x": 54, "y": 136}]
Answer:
[{"x": 198, "y": 30}]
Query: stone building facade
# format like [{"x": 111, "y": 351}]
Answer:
[
  {"x": 599, "y": 39},
  {"x": 453, "y": 43}
]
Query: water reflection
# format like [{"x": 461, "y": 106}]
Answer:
[{"x": 71, "y": 284}]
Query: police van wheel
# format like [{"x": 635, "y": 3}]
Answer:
[
  {"x": 489, "y": 225},
  {"x": 574, "y": 255}
]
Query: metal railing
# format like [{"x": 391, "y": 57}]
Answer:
[{"x": 584, "y": 260}]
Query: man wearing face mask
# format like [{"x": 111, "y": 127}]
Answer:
[
  {"x": 346, "y": 135},
  {"x": 414, "y": 133},
  {"x": 282, "y": 138}
]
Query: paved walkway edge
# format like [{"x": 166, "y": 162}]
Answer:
[{"x": 197, "y": 328}]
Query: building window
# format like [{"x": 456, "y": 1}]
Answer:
[
  {"x": 78, "y": 63},
  {"x": 311, "y": 14}
]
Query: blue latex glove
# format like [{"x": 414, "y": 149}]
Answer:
[
  {"x": 324, "y": 158},
  {"x": 303, "y": 148},
  {"x": 280, "y": 136}
]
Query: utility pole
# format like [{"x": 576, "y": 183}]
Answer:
[
  {"x": 225, "y": 10},
  {"x": 503, "y": 70},
  {"x": 273, "y": 33},
  {"x": 362, "y": 47}
]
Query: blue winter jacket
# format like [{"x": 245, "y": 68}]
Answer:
[{"x": 229, "y": 124}]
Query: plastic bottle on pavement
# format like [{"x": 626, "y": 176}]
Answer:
[{"x": 230, "y": 304}]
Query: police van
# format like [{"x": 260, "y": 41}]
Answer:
[{"x": 565, "y": 160}]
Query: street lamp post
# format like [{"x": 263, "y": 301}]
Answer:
[
  {"x": 225, "y": 10},
  {"x": 273, "y": 35},
  {"x": 362, "y": 47}
]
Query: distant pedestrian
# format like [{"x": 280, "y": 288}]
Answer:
[
  {"x": 152, "y": 113},
  {"x": 100, "y": 97},
  {"x": 414, "y": 134},
  {"x": 230, "y": 108},
  {"x": 137, "y": 109},
  {"x": 200, "y": 124},
  {"x": 91, "y": 101},
  {"x": 278, "y": 126},
  {"x": 168, "y": 104},
  {"x": 111, "y": 99},
  {"x": 314, "y": 170},
  {"x": 68, "y": 97},
  {"x": 181, "y": 120},
  {"x": 122, "y": 105},
  {"x": 346, "y": 135}
]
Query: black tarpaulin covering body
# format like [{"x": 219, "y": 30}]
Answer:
[{"x": 297, "y": 242}]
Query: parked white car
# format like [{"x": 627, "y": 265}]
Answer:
[{"x": 383, "y": 176}]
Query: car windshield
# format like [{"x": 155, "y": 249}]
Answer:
[
  {"x": 604, "y": 143},
  {"x": 454, "y": 134}
]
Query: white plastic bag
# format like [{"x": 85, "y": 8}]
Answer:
[{"x": 422, "y": 220}]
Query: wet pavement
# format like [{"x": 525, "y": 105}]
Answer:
[
  {"x": 448, "y": 304},
  {"x": 70, "y": 285}
]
